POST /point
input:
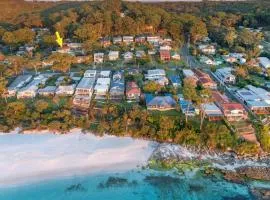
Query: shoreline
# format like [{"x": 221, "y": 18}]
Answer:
[{"x": 31, "y": 157}]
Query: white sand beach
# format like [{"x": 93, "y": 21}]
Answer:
[{"x": 34, "y": 157}]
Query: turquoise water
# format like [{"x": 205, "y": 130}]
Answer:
[{"x": 137, "y": 184}]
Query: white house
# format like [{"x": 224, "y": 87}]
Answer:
[
  {"x": 128, "y": 39},
  {"x": 113, "y": 55},
  {"x": 105, "y": 74},
  {"x": 98, "y": 57},
  {"x": 117, "y": 40},
  {"x": 85, "y": 87},
  {"x": 102, "y": 88},
  {"x": 165, "y": 47},
  {"x": 90, "y": 73},
  {"x": 128, "y": 56},
  {"x": 65, "y": 90},
  {"x": 207, "y": 49},
  {"x": 155, "y": 74}
]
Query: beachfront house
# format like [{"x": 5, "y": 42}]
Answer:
[
  {"x": 47, "y": 91},
  {"x": 18, "y": 83},
  {"x": 140, "y": 39},
  {"x": 102, "y": 88},
  {"x": 85, "y": 87},
  {"x": 30, "y": 90},
  {"x": 211, "y": 112},
  {"x": 133, "y": 92},
  {"x": 186, "y": 107},
  {"x": 257, "y": 99},
  {"x": 160, "y": 103},
  {"x": 65, "y": 90},
  {"x": 234, "y": 111}
]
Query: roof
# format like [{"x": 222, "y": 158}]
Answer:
[
  {"x": 188, "y": 72},
  {"x": 47, "y": 89},
  {"x": 211, "y": 109},
  {"x": 258, "y": 104},
  {"x": 86, "y": 83},
  {"x": 160, "y": 72},
  {"x": 105, "y": 73},
  {"x": 175, "y": 79},
  {"x": 19, "y": 81},
  {"x": 219, "y": 98},
  {"x": 164, "y": 101},
  {"x": 232, "y": 106},
  {"x": 265, "y": 62}
]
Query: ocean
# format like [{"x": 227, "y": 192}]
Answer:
[{"x": 141, "y": 184}]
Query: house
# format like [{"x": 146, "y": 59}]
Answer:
[
  {"x": 98, "y": 57},
  {"x": 117, "y": 90},
  {"x": 207, "y": 49},
  {"x": 90, "y": 73},
  {"x": 257, "y": 99},
  {"x": 165, "y": 55},
  {"x": 105, "y": 42},
  {"x": 188, "y": 73},
  {"x": 128, "y": 56},
  {"x": 18, "y": 83},
  {"x": 225, "y": 75},
  {"x": 153, "y": 39},
  {"x": 211, "y": 112},
  {"x": 155, "y": 74},
  {"x": 234, "y": 111},
  {"x": 65, "y": 90},
  {"x": 186, "y": 107},
  {"x": 165, "y": 48},
  {"x": 160, "y": 103},
  {"x": 175, "y": 81},
  {"x": 140, "y": 54},
  {"x": 204, "y": 79},
  {"x": 117, "y": 40},
  {"x": 264, "y": 62},
  {"x": 128, "y": 39},
  {"x": 47, "y": 91},
  {"x": 162, "y": 81},
  {"x": 206, "y": 60},
  {"x": 229, "y": 58},
  {"x": 113, "y": 55},
  {"x": 133, "y": 92},
  {"x": 30, "y": 90},
  {"x": 176, "y": 56},
  {"x": 219, "y": 98},
  {"x": 105, "y": 74},
  {"x": 152, "y": 52},
  {"x": 85, "y": 87},
  {"x": 140, "y": 39},
  {"x": 102, "y": 88}
]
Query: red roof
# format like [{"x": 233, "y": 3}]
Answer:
[
  {"x": 232, "y": 106},
  {"x": 165, "y": 53},
  {"x": 219, "y": 98}
]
